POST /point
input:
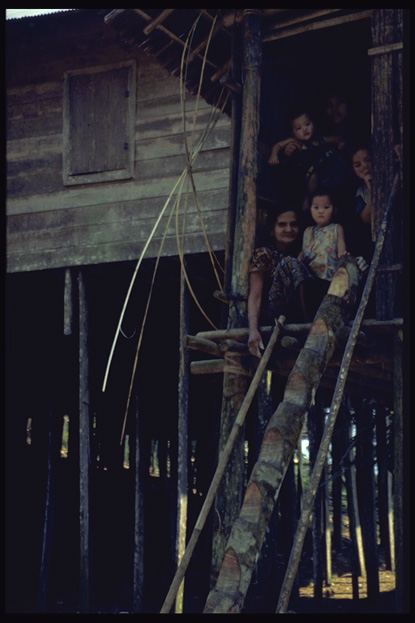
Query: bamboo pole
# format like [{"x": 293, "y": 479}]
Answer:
[
  {"x": 223, "y": 461},
  {"x": 335, "y": 405}
]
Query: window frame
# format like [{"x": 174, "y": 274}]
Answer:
[{"x": 69, "y": 178}]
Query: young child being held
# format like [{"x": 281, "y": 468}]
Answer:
[
  {"x": 304, "y": 136},
  {"x": 307, "y": 151}
]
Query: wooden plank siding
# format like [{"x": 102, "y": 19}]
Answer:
[{"x": 50, "y": 225}]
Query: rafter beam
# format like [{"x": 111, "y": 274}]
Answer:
[
  {"x": 280, "y": 31},
  {"x": 158, "y": 21}
]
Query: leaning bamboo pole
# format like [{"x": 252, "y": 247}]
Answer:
[{"x": 223, "y": 461}]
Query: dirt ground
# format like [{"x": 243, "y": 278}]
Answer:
[{"x": 339, "y": 596}]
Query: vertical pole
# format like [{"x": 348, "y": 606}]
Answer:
[
  {"x": 366, "y": 496},
  {"x": 401, "y": 490},
  {"x": 235, "y": 385},
  {"x": 386, "y": 26},
  {"x": 138, "y": 570},
  {"x": 83, "y": 448},
  {"x": 67, "y": 303},
  {"x": 182, "y": 476},
  {"x": 234, "y": 157}
]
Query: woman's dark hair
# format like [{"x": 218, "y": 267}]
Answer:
[{"x": 276, "y": 211}]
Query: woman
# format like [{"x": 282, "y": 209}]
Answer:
[{"x": 274, "y": 276}]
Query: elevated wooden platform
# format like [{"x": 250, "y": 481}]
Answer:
[{"x": 371, "y": 368}]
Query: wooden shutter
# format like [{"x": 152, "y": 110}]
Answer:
[{"x": 99, "y": 124}]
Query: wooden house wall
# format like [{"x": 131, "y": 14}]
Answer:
[{"x": 51, "y": 225}]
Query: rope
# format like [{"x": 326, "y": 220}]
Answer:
[
  {"x": 189, "y": 154},
  {"x": 185, "y": 173}
]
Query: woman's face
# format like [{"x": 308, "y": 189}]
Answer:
[
  {"x": 286, "y": 229},
  {"x": 361, "y": 163},
  {"x": 336, "y": 109}
]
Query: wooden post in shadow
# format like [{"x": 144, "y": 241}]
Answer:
[
  {"x": 235, "y": 382},
  {"x": 84, "y": 585}
]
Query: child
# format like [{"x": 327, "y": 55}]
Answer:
[
  {"x": 307, "y": 150},
  {"x": 323, "y": 245}
]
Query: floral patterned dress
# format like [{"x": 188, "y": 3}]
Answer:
[
  {"x": 320, "y": 250},
  {"x": 284, "y": 274}
]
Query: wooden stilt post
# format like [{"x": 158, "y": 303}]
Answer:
[
  {"x": 67, "y": 303},
  {"x": 235, "y": 385},
  {"x": 366, "y": 496},
  {"x": 48, "y": 518},
  {"x": 138, "y": 569},
  {"x": 182, "y": 476},
  {"x": 357, "y": 556},
  {"x": 401, "y": 485},
  {"x": 84, "y": 445}
]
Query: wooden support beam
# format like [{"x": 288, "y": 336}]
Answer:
[
  {"x": 84, "y": 446},
  {"x": 168, "y": 33},
  {"x": 385, "y": 49},
  {"x": 369, "y": 326},
  {"x": 206, "y": 346},
  {"x": 208, "y": 366},
  {"x": 158, "y": 21},
  {"x": 235, "y": 384},
  {"x": 212, "y": 348},
  {"x": 313, "y": 26}
]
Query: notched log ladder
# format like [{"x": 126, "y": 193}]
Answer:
[
  {"x": 280, "y": 440},
  {"x": 282, "y": 434}
]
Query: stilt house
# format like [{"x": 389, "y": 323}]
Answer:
[{"x": 137, "y": 190}]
